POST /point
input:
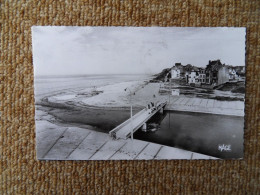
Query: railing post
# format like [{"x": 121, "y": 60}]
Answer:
[
  {"x": 131, "y": 114},
  {"x": 144, "y": 127},
  {"x": 161, "y": 110}
]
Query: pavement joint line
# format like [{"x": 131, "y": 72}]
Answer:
[
  {"x": 117, "y": 151},
  {"x": 214, "y": 103},
  {"x": 175, "y": 100},
  {"x": 157, "y": 152},
  {"x": 185, "y": 102},
  {"x": 200, "y": 101},
  {"x": 98, "y": 150},
  {"x": 182, "y": 100},
  {"x": 206, "y": 105},
  {"x": 178, "y": 101},
  {"x": 141, "y": 150},
  {"x": 193, "y": 101},
  {"x": 77, "y": 145},
  {"x": 188, "y": 103},
  {"x": 54, "y": 143},
  {"x": 188, "y": 100}
]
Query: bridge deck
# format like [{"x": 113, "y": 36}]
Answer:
[{"x": 124, "y": 130}]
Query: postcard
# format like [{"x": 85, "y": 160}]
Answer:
[{"x": 139, "y": 93}]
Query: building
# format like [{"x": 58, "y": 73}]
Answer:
[
  {"x": 240, "y": 72},
  {"x": 232, "y": 73},
  {"x": 202, "y": 76},
  {"x": 212, "y": 73},
  {"x": 223, "y": 75},
  {"x": 187, "y": 72},
  {"x": 192, "y": 77},
  {"x": 175, "y": 73}
]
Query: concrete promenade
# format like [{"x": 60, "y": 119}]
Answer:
[
  {"x": 150, "y": 93},
  {"x": 180, "y": 103},
  {"x": 73, "y": 143}
]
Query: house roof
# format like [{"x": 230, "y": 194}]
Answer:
[
  {"x": 175, "y": 68},
  {"x": 178, "y": 66},
  {"x": 195, "y": 68},
  {"x": 214, "y": 65},
  {"x": 238, "y": 69}
]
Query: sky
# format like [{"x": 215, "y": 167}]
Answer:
[{"x": 132, "y": 50}]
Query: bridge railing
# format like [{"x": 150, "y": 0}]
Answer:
[
  {"x": 153, "y": 112},
  {"x": 113, "y": 131}
]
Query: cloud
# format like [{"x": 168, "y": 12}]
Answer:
[{"x": 132, "y": 50}]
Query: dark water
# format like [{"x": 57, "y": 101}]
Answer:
[
  {"x": 202, "y": 133},
  {"x": 198, "y": 132}
]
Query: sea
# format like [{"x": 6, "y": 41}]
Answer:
[{"x": 53, "y": 83}]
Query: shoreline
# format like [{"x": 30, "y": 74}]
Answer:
[{"x": 141, "y": 93}]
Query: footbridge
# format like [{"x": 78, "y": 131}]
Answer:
[{"x": 124, "y": 130}]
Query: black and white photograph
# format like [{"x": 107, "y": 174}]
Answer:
[{"x": 139, "y": 93}]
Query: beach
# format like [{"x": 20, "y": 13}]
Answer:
[{"x": 138, "y": 93}]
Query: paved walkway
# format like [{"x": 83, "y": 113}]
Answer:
[
  {"x": 72, "y": 143},
  {"x": 180, "y": 103},
  {"x": 150, "y": 93}
]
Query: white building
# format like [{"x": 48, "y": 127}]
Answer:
[
  {"x": 175, "y": 73},
  {"x": 232, "y": 74},
  {"x": 192, "y": 77}
]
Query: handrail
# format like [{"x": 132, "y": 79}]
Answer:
[
  {"x": 127, "y": 121},
  {"x": 116, "y": 129}
]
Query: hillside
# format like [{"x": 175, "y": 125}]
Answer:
[{"x": 161, "y": 76}]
